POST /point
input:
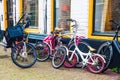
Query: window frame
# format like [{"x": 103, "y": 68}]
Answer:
[
  {"x": 91, "y": 26},
  {"x": 36, "y": 26}
]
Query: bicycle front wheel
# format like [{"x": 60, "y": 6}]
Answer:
[
  {"x": 21, "y": 58},
  {"x": 59, "y": 57},
  {"x": 107, "y": 52}
]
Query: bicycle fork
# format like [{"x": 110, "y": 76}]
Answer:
[{"x": 24, "y": 51}]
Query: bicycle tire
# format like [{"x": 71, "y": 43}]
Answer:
[
  {"x": 73, "y": 62},
  {"x": 43, "y": 51},
  {"x": 98, "y": 65},
  {"x": 107, "y": 55},
  {"x": 59, "y": 57},
  {"x": 21, "y": 61}
]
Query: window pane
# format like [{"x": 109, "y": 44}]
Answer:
[
  {"x": 62, "y": 13},
  {"x": 10, "y": 12},
  {"x": 98, "y": 14},
  {"x": 31, "y": 6},
  {"x": 105, "y": 10}
]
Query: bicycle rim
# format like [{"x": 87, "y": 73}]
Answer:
[
  {"x": 43, "y": 52},
  {"x": 19, "y": 60},
  {"x": 59, "y": 57}
]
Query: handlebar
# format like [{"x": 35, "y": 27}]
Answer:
[
  {"x": 25, "y": 14},
  {"x": 27, "y": 23},
  {"x": 116, "y": 23},
  {"x": 62, "y": 33},
  {"x": 72, "y": 20}
]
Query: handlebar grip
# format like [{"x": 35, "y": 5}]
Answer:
[{"x": 69, "y": 20}]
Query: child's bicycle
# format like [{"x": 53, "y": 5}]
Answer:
[
  {"x": 23, "y": 54},
  {"x": 94, "y": 62}
]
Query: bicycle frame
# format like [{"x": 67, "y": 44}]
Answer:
[
  {"x": 84, "y": 56},
  {"x": 50, "y": 40},
  {"x": 115, "y": 39}
]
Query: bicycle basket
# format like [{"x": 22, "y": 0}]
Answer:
[{"x": 13, "y": 32}]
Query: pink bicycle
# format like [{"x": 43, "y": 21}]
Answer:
[{"x": 46, "y": 48}]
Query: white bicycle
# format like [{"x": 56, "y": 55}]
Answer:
[{"x": 94, "y": 62}]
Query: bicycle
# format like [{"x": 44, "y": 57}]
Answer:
[
  {"x": 73, "y": 62},
  {"x": 94, "y": 62},
  {"x": 46, "y": 48},
  {"x": 106, "y": 48},
  {"x": 23, "y": 54}
]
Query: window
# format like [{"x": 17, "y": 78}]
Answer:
[
  {"x": 10, "y": 12},
  {"x": 62, "y": 12},
  {"x": 105, "y": 10},
  {"x": 31, "y": 6}
]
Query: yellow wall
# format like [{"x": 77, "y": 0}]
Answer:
[
  {"x": 21, "y": 7},
  {"x": 5, "y": 14},
  {"x": 90, "y": 25},
  {"x": 52, "y": 15}
]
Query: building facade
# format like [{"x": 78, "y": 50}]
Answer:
[
  {"x": 1, "y": 11},
  {"x": 92, "y": 15}
]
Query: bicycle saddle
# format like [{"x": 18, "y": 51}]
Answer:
[
  {"x": 59, "y": 29},
  {"x": 91, "y": 49}
]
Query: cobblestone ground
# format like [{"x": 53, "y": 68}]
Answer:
[{"x": 44, "y": 71}]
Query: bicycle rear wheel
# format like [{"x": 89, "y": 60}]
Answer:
[
  {"x": 96, "y": 64},
  {"x": 107, "y": 52},
  {"x": 59, "y": 57},
  {"x": 21, "y": 58},
  {"x": 43, "y": 51}
]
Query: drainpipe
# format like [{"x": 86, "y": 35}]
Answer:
[
  {"x": 14, "y": 11},
  {"x": 45, "y": 17}
]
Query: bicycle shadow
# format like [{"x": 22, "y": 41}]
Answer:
[{"x": 4, "y": 56}]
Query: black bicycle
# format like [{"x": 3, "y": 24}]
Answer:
[
  {"x": 23, "y": 54},
  {"x": 106, "y": 49}
]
